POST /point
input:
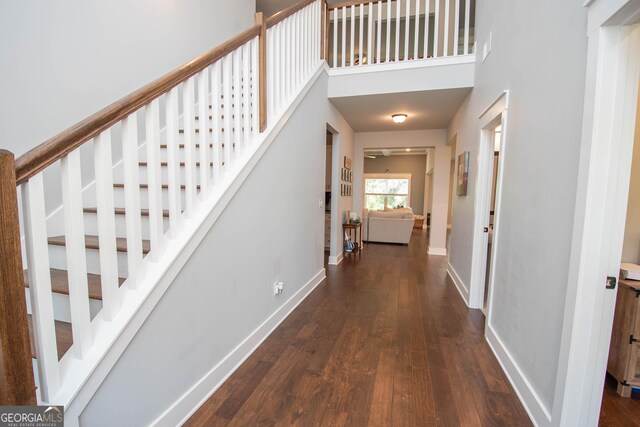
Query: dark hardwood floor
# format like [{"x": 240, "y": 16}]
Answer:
[
  {"x": 386, "y": 340},
  {"x": 619, "y": 411}
]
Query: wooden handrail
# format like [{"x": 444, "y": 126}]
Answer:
[
  {"x": 55, "y": 148},
  {"x": 353, "y": 3},
  {"x": 17, "y": 386},
  {"x": 262, "y": 65},
  {"x": 282, "y": 15}
]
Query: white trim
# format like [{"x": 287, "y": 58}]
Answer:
[
  {"x": 613, "y": 65},
  {"x": 366, "y": 176},
  {"x": 460, "y": 286},
  {"x": 335, "y": 260},
  {"x": 404, "y": 65},
  {"x": 497, "y": 110},
  {"x": 138, "y": 303},
  {"x": 437, "y": 251},
  {"x": 185, "y": 406},
  {"x": 532, "y": 403}
]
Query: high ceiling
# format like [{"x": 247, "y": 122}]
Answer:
[
  {"x": 271, "y": 7},
  {"x": 426, "y": 110}
]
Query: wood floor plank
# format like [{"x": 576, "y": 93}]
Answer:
[{"x": 386, "y": 340}]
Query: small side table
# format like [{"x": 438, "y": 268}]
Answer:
[{"x": 354, "y": 231}]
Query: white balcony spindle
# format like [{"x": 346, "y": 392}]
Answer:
[
  {"x": 271, "y": 70},
  {"x": 37, "y": 254},
  {"x": 188, "y": 102},
  {"x": 467, "y": 25},
  {"x": 361, "y": 34},
  {"x": 370, "y": 34},
  {"x": 297, "y": 50},
  {"x": 445, "y": 48},
  {"x": 216, "y": 158},
  {"x": 335, "y": 38},
  {"x": 436, "y": 30},
  {"x": 106, "y": 225},
  {"x": 416, "y": 39},
  {"x": 203, "y": 125},
  {"x": 228, "y": 110},
  {"x": 352, "y": 32},
  {"x": 76, "y": 253},
  {"x": 288, "y": 49},
  {"x": 427, "y": 14},
  {"x": 397, "y": 20},
  {"x": 154, "y": 177},
  {"x": 407, "y": 27},
  {"x": 173, "y": 162},
  {"x": 245, "y": 127},
  {"x": 388, "y": 43},
  {"x": 133, "y": 218},
  {"x": 344, "y": 36},
  {"x": 379, "y": 34},
  {"x": 456, "y": 34}
]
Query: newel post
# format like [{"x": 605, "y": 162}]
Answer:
[
  {"x": 17, "y": 386},
  {"x": 262, "y": 61}
]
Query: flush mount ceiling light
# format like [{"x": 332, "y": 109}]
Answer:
[{"x": 399, "y": 118}]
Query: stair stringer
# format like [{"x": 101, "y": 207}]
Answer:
[{"x": 82, "y": 378}]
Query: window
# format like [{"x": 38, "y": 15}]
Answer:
[{"x": 386, "y": 190}]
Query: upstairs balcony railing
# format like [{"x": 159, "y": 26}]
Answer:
[{"x": 378, "y": 32}]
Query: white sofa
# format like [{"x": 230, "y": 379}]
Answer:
[{"x": 390, "y": 226}]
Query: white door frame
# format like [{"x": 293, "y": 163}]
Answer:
[
  {"x": 494, "y": 115},
  {"x": 613, "y": 67}
]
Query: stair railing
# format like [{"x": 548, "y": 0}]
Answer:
[
  {"x": 217, "y": 104},
  {"x": 364, "y": 32}
]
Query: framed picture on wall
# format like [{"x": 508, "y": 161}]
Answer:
[{"x": 463, "y": 173}]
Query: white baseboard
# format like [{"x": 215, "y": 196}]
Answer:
[
  {"x": 460, "y": 286},
  {"x": 183, "y": 408},
  {"x": 539, "y": 414},
  {"x": 437, "y": 251},
  {"x": 335, "y": 260}
]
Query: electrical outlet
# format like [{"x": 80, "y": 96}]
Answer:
[
  {"x": 320, "y": 202},
  {"x": 278, "y": 288}
]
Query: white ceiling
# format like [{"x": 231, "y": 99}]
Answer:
[
  {"x": 271, "y": 7},
  {"x": 426, "y": 110}
]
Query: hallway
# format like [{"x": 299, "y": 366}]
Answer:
[{"x": 385, "y": 340}]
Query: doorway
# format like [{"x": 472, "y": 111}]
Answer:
[
  {"x": 328, "y": 195},
  {"x": 487, "y": 202}
]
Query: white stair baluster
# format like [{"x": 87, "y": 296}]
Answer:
[
  {"x": 237, "y": 102},
  {"x": 106, "y": 225},
  {"x": 173, "y": 161},
  {"x": 245, "y": 127},
  {"x": 154, "y": 177},
  {"x": 228, "y": 110},
  {"x": 255, "y": 92},
  {"x": 352, "y": 37},
  {"x": 37, "y": 253},
  {"x": 76, "y": 253},
  {"x": 271, "y": 70},
  {"x": 203, "y": 124},
  {"x": 361, "y": 35},
  {"x": 133, "y": 217},
  {"x": 215, "y": 122},
  {"x": 188, "y": 102}
]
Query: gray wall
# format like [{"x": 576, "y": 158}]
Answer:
[
  {"x": 271, "y": 230},
  {"x": 540, "y": 57},
  {"x": 631, "y": 248},
  {"x": 65, "y": 60},
  {"x": 415, "y": 165}
]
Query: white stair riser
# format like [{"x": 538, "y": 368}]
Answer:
[
  {"x": 61, "y": 310},
  {"x": 118, "y": 197},
  {"x": 143, "y": 175},
  {"x": 58, "y": 259},
  {"x": 91, "y": 225}
]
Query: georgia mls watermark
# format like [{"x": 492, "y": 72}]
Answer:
[{"x": 31, "y": 416}]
